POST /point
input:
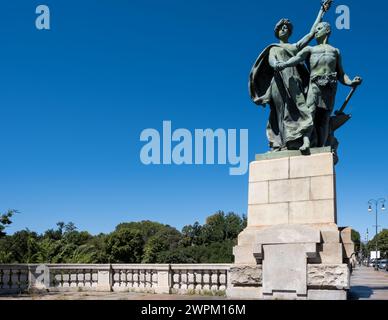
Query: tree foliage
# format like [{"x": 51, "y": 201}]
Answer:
[
  {"x": 5, "y": 220},
  {"x": 130, "y": 242},
  {"x": 382, "y": 243},
  {"x": 356, "y": 238}
]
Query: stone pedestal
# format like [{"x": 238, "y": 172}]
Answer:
[{"x": 292, "y": 247}]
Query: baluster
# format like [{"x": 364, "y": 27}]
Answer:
[
  {"x": 62, "y": 279},
  {"x": 24, "y": 279},
  {"x": 147, "y": 280},
  {"x": 73, "y": 278},
  {"x": 176, "y": 279},
  {"x": 94, "y": 278},
  {"x": 198, "y": 280},
  {"x": 80, "y": 278},
  {"x": 223, "y": 280},
  {"x": 206, "y": 280},
  {"x": 1, "y": 278},
  {"x": 154, "y": 283},
  {"x": 115, "y": 278},
  {"x": 56, "y": 278},
  {"x": 7, "y": 279},
  {"x": 17, "y": 283},
  {"x": 190, "y": 280},
  {"x": 123, "y": 278},
  {"x": 184, "y": 279},
  {"x": 142, "y": 279},
  {"x": 66, "y": 279},
  {"x": 130, "y": 278},
  {"x": 88, "y": 278},
  {"x": 136, "y": 278},
  {"x": 214, "y": 280}
]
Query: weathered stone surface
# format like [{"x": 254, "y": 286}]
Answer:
[
  {"x": 258, "y": 192},
  {"x": 250, "y": 293},
  {"x": 163, "y": 278},
  {"x": 289, "y": 190},
  {"x": 348, "y": 250},
  {"x": 288, "y": 234},
  {"x": 346, "y": 234},
  {"x": 331, "y": 253},
  {"x": 328, "y": 276},
  {"x": 268, "y": 214},
  {"x": 284, "y": 295},
  {"x": 292, "y": 232},
  {"x": 268, "y": 170},
  {"x": 248, "y": 235},
  {"x": 322, "y": 187},
  {"x": 330, "y": 234},
  {"x": 246, "y": 275},
  {"x": 103, "y": 280},
  {"x": 244, "y": 254},
  {"x": 318, "y": 211},
  {"x": 314, "y": 165},
  {"x": 284, "y": 269},
  {"x": 326, "y": 295},
  {"x": 346, "y": 239}
]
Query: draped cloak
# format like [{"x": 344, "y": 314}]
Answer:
[{"x": 285, "y": 92}]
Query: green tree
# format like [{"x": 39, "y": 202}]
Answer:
[
  {"x": 356, "y": 238},
  {"x": 192, "y": 235},
  {"x": 165, "y": 240},
  {"x": 218, "y": 227},
  {"x": 5, "y": 220},
  {"x": 147, "y": 228},
  {"x": 22, "y": 246},
  {"x": 125, "y": 246},
  {"x": 131, "y": 242},
  {"x": 382, "y": 240}
]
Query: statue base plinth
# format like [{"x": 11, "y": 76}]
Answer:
[{"x": 292, "y": 247}]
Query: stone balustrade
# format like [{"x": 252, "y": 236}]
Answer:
[
  {"x": 199, "y": 278},
  {"x": 14, "y": 278},
  {"x": 152, "y": 278}
]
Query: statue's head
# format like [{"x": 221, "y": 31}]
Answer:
[
  {"x": 283, "y": 29},
  {"x": 322, "y": 30}
]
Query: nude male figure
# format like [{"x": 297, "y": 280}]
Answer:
[{"x": 326, "y": 70}]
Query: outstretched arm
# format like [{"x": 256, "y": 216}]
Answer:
[
  {"x": 343, "y": 77},
  {"x": 300, "y": 57},
  {"x": 302, "y": 43}
]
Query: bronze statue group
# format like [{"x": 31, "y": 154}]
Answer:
[{"x": 299, "y": 83}]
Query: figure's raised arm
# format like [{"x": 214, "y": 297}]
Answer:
[{"x": 302, "y": 43}]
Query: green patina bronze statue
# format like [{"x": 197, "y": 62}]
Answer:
[{"x": 301, "y": 95}]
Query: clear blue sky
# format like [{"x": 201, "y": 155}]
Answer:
[{"x": 73, "y": 101}]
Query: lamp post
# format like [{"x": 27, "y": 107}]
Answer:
[
  {"x": 376, "y": 203},
  {"x": 367, "y": 241}
]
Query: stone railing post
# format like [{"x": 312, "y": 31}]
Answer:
[
  {"x": 46, "y": 279},
  {"x": 104, "y": 282},
  {"x": 38, "y": 277},
  {"x": 164, "y": 280}
]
